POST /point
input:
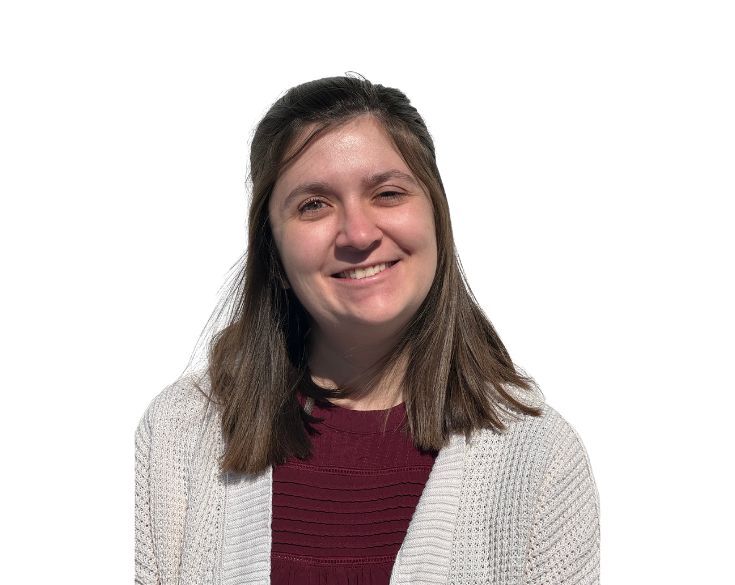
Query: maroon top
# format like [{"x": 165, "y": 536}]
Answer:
[{"x": 341, "y": 516}]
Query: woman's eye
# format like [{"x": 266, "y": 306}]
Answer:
[
  {"x": 310, "y": 206},
  {"x": 390, "y": 195}
]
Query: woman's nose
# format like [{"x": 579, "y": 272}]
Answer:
[{"x": 358, "y": 228}]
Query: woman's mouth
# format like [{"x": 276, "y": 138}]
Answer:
[{"x": 360, "y": 273}]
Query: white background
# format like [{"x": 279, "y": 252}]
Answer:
[{"x": 587, "y": 150}]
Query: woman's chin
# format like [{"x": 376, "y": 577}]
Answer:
[{"x": 370, "y": 323}]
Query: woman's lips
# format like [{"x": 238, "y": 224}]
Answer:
[{"x": 367, "y": 272}]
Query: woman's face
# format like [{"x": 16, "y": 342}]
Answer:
[{"x": 354, "y": 230}]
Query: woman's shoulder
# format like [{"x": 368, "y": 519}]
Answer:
[
  {"x": 179, "y": 403},
  {"x": 550, "y": 425},
  {"x": 549, "y": 433},
  {"x": 543, "y": 442}
]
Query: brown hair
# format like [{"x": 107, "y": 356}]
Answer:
[{"x": 458, "y": 372}]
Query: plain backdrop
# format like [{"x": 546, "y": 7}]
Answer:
[{"x": 587, "y": 150}]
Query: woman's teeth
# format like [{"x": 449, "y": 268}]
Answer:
[{"x": 364, "y": 272}]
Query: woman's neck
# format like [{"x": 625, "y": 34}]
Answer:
[{"x": 335, "y": 363}]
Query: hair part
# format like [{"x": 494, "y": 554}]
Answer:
[{"x": 458, "y": 374}]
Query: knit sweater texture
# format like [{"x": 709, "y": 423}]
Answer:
[{"x": 519, "y": 507}]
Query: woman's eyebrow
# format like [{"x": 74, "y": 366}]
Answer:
[
  {"x": 376, "y": 179},
  {"x": 321, "y": 188}
]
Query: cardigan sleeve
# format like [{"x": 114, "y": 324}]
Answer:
[
  {"x": 165, "y": 444},
  {"x": 564, "y": 544},
  {"x": 146, "y": 569}
]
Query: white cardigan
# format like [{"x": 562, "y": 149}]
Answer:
[{"x": 519, "y": 507}]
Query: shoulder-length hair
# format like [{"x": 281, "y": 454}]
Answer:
[{"x": 458, "y": 373}]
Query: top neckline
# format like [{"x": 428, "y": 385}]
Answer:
[{"x": 364, "y": 422}]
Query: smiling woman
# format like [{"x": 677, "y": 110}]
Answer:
[
  {"x": 359, "y": 419},
  {"x": 355, "y": 234}
]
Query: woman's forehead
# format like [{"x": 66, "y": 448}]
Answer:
[
  {"x": 357, "y": 151},
  {"x": 316, "y": 132}
]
